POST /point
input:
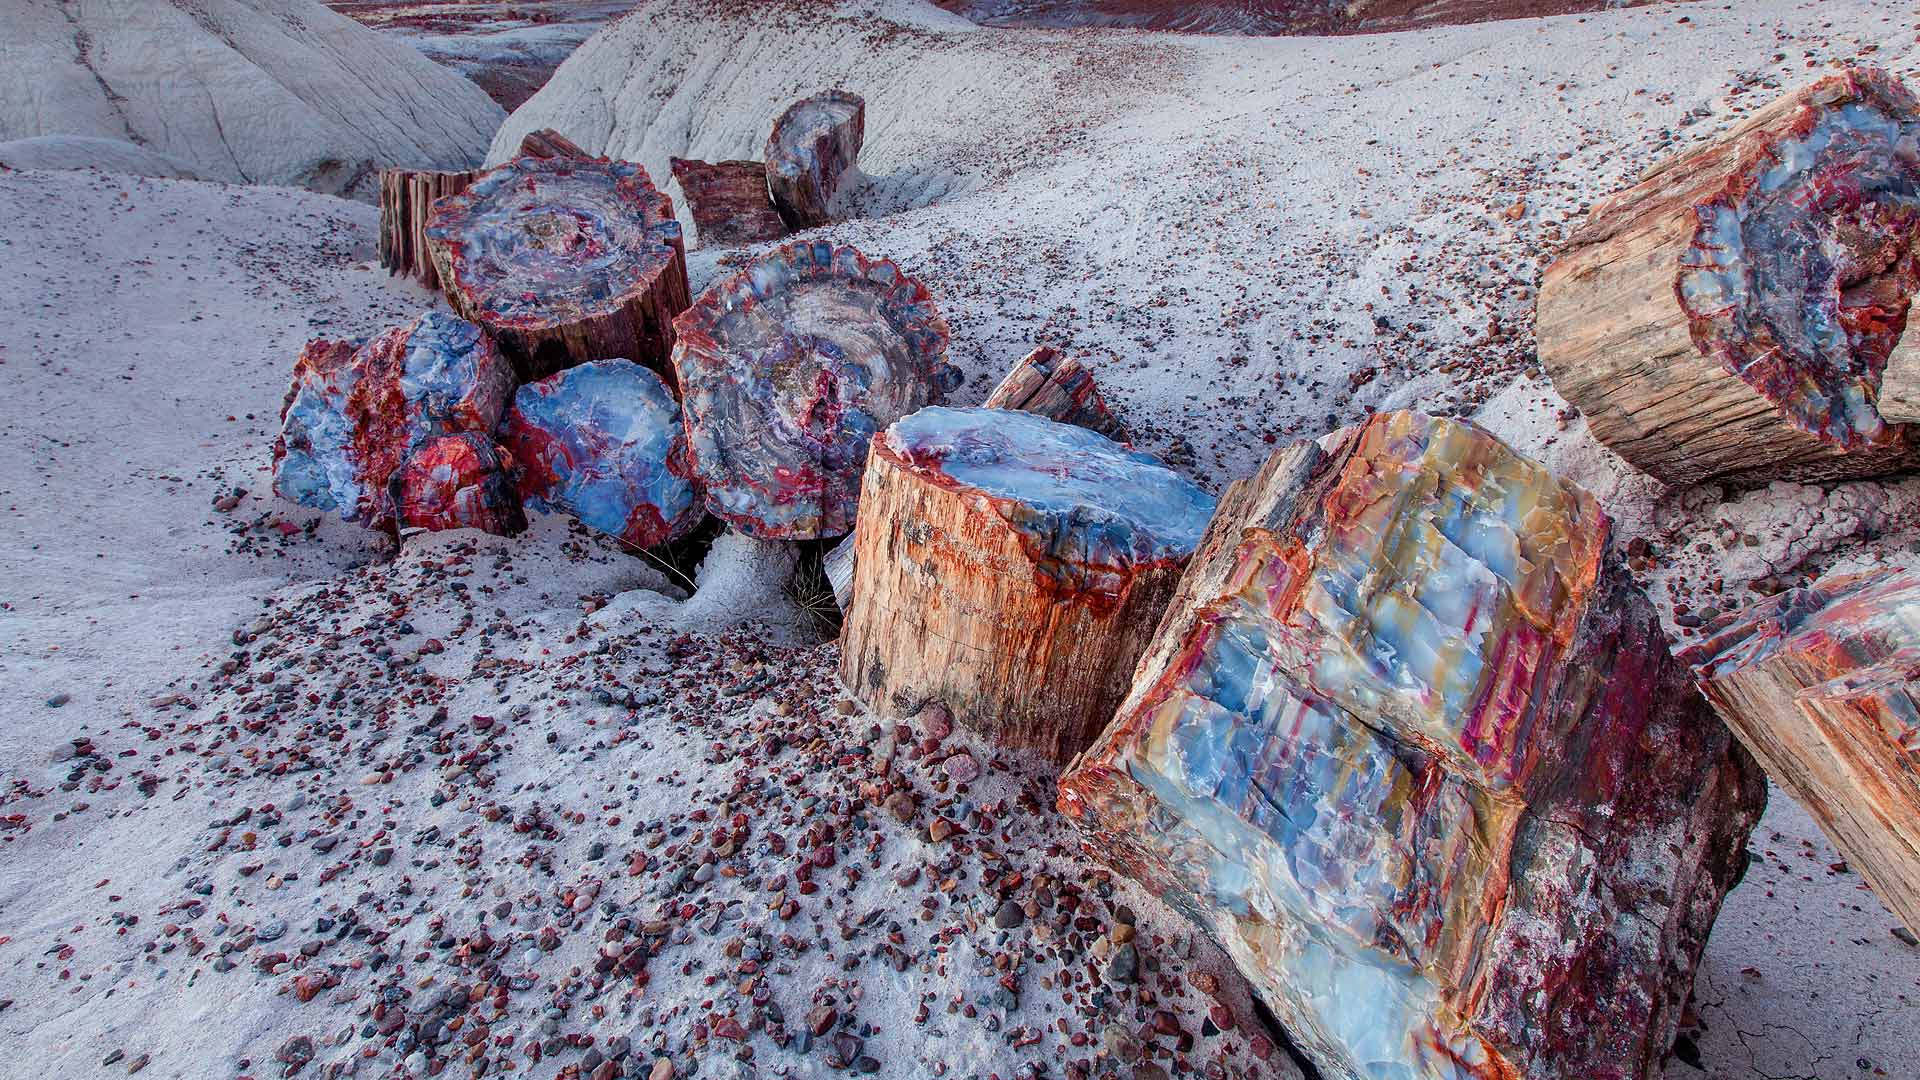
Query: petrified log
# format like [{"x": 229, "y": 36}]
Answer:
[
  {"x": 1058, "y": 388},
  {"x": 812, "y": 146},
  {"x": 548, "y": 143},
  {"x": 603, "y": 442},
  {"x": 1013, "y": 568},
  {"x": 1823, "y": 685},
  {"x": 1730, "y": 316},
  {"x": 729, "y": 201},
  {"x": 460, "y": 481},
  {"x": 564, "y": 260},
  {"x": 1422, "y": 763},
  {"x": 354, "y": 411},
  {"x": 788, "y": 369},
  {"x": 406, "y": 199}
]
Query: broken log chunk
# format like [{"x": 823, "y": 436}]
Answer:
[
  {"x": 548, "y": 143},
  {"x": 1059, "y": 388},
  {"x": 1418, "y": 757},
  {"x": 355, "y": 410},
  {"x": 1729, "y": 318},
  {"x": 564, "y": 260},
  {"x": 789, "y": 368},
  {"x": 604, "y": 443},
  {"x": 1013, "y": 568},
  {"x": 813, "y": 145},
  {"x": 729, "y": 202},
  {"x": 1823, "y": 685},
  {"x": 406, "y": 200},
  {"x": 459, "y": 481}
]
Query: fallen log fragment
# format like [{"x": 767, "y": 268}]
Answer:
[
  {"x": 1823, "y": 685},
  {"x": 548, "y": 143},
  {"x": 604, "y": 442},
  {"x": 1059, "y": 388},
  {"x": 813, "y": 145},
  {"x": 729, "y": 202},
  {"x": 1419, "y": 759},
  {"x": 564, "y": 260},
  {"x": 406, "y": 200},
  {"x": 459, "y": 481},
  {"x": 1729, "y": 318},
  {"x": 789, "y": 368},
  {"x": 1013, "y": 568}
]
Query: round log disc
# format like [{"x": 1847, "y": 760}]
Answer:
[
  {"x": 788, "y": 369},
  {"x": 564, "y": 260},
  {"x": 813, "y": 144}
]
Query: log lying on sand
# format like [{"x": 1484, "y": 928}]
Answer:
[
  {"x": 604, "y": 442},
  {"x": 1059, "y": 388},
  {"x": 789, "y": 368},
  {"x": 1013, "y": 568},
  {"x": 406, "y": 200},
  {"x": 729, "y": 202},
  {"x": 460, "y": 481},
  {"x": 1823, "y": 685},
  {"x": 812, "y": 146},
  {"x": 1729, "y": 318},
  {"x": 548, "y": 143},
  {"x": 564, "y": 260},
  {"x": 355, "y": 411},
  {"x": 1420, "y": 760}
]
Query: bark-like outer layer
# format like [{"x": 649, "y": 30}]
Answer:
[
  {"x": 587, "y": 312},
  {"x": 1618, "y": 343},
  {"x": 804, "y": 166},
  {"x": 1057, "y": 387},
  {"x": 729, "y": 202},
  {"x": 406, "y": 202},
  {"x": 1608, "y": 830}
]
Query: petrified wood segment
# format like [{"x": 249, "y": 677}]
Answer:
[
  {"x": 1013, "y": 568},
  {"x": 604, "y": 442},
  {"x": 1823, "y": 685},
  {"x": 1729, "y": 318},
  {"x": 729, "y": 202},
  {"x": 1423, "y": 764},
  {"x": 1059, "y": 388},
  {"x": 460, "y": 481},
  {"x": 789, "y": 368},
  {"x": 354, "y": 411},
  {"x": 406, "y": 200},
  {"x": 548, "y": 143},
  {"x": 564, "y": 260},
  {"x": 812, "y": 146}
]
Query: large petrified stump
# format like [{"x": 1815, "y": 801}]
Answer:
[
  {"x": 603, "y": 442},
  {"x": 1013, "y": 568},
  {"x": 789, "y": 368},
  {"x": 1423, "y": 764},
  {"x": 1730, "y": 317},
  {"x": 355, "y": 411},
  {"x": 460, "y": 481},
  {"x": 564, "y": 260},
  {"x": 729, "y": 202},
  {"x": 812, "y": 146},
  {"x": 1823, "y": 685},
  {"x": 406, "y": 200},
  {"x": 1058, "y": 387}
]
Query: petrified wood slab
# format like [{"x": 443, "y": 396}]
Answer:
[
  {"x": 603, "y": 442},
  {"x": 1059, "y": 388},
  {"x": 354, "y": 411},
  {"x": 1729, "y": 318},
  {"x": 1013, "y": 568},
  {"x": 1823, "y": 685},
  {"x": 812, "y": 146},
  {"x": 1423, "y": 764},
  {"x": 460, "y": 481},
  {"x": 789, "y": 368},
  {"x": 729, "y": 202},
  {"x": 564, "y": 260},
  {"x": 406, "y": 200}
]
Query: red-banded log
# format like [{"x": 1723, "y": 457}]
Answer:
[
  {"x": 1729, "y": 318},
  {"x": 1012, "y": 568},
  {"x": 548, "y": 143},
  {"x": 812, "y": 146},
  {"x": 406, "y": 201},
  {"x": 788, "y": 369},
  {"x": 729, "y": 202},
  {"x": 1057, "y": 387},
  {"x": 1823, "y": 685},
  {"x": 564, "y": 260}
]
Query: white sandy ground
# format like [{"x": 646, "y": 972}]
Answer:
[
  {"x": 249, "y": 91},
  {"x": 1214, "y": 215}
]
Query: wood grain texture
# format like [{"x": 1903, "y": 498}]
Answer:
[
  {"x": 1058, "y": 387},
  {"x": 406, "y": 201}
]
